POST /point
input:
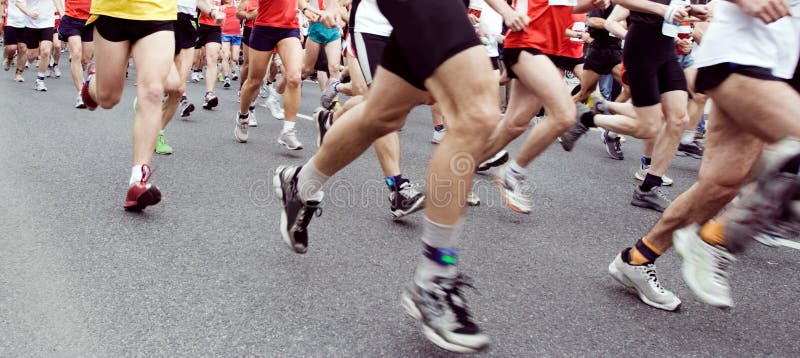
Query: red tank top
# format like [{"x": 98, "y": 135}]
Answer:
[
  {"x": 232, "y": 24},
  {"x": 251, "y": 5},
  {"x": 546, "y": 29},
  {"x": 278, "y": 13}
]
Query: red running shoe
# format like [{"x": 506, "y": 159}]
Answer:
[
  {"x": 142, "y": 194},
  {"x": 88, "y": 101}
]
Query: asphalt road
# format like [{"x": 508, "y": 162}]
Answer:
[{"x": 205, "y": 272}]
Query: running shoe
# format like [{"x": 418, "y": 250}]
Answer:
[
  {"x": 49, "y": 72},
  {"x": 473, "y": 199},
  {"x": 289, "y": 140},
  {"x": 39, "y": 86},
  {"x": 275, "y": 108},
  {"x": 79, "y": 102},
  {"x": 613, "y": 146},
  {"x": 405, "y": 201},
  {"x": 654, "y": 199},
  {"x": 438, "y": 136},
  {"x": 227, "y": 84},
  {"x": 6, "y": 64},
  {"x": 693, "y": 149},
  {"x": 56, "y": 72},
  {"x": 572, "y": 135},
  {"x": 220, "y": 77},
  {"x": 253, "y": 122},
  {"x": 18, "y": 77},
  {"x": 321, "y": 117},
  {"x": 240, "y": 130},
  {"x": 497, "y": 160},
  {"x": 186, "y": 108},
  {"x": 329, "y": 94},
  {"x": 295, "y": 214},
  {"x": 263, "y": 92},
  {"x": 644, "y": 279},
  {"x": 444, "y": 314},
  {"x": 642, "y": 172},
  {"x": 195, "y": 77},
  {"x": 234, "y": 76},
  {"x": 142, "y": 194},
  {"x": 87, "y": 98},
  {"x": 161, "y": 145},
  {"x": 210, "y": 101},
  {"x": 514, "y": 189},
  {"x": 705, "y": 267},
  {"x": 201, "y": 74}
]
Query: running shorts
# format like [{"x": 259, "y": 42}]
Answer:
[
  {"x": 246, "y": 35},
  {"x": 709, "y": 78},
  {"x": 117, "y": 30},
  {"x": 602, "y": 60},
  {"x": 71, "y": 26},
  {"x": 652, "y": 65},
  {"x": 511, "y": 57},
  {"x": 369, "y": 51},
  {"x": 235, "y": 40},
  {"x": 266, "y": 38},
  {"x": 565, "y": 63},
  {"x": 185, "y": 32},
  {"x": 13, "y": 35},
  {"x": 322, "y": 35},
  {"x": 208, "y": 34},
  {"x": 34, "y": 36}
]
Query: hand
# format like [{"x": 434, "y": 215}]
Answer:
[
  {"x": 516, "y": 21},
  {"x": 601, "y": 4},
  {"x": 328, "y": 19},
  {"x": 473, "y": 19},
  {"x": 252, "y": 14},
  {"x": 34, "y": 15},
  {"x": 311, "y": 16},
  {"x": 768, "y": 11},
  {"x": 586, "y": 37},
  {"x": 685, "y": 45},
  {"x": 219, "y": 17},
  {"x": 700, "y": 12},
  {"x": 680, "y": 15}
]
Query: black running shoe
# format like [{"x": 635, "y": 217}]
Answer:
[
  {"x": 321, "y": 117},
  {"x": 569, "y": 138},
  {"x": 692, "y": 149},
  {"x": 406, "y": 200},
  {"x": 296, "y": 215},
  {"x": 613, "y": 146}
]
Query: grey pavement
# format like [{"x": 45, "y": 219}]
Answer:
[{"x": 205, "y": 272}]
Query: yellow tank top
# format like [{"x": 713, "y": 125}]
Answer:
[{"x": 147, "y": 10}]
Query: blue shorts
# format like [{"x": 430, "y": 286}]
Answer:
[
  {"x": 686, "y": 61},
  {"x": 71, "y": 26},
  {"x": 235, "y": 40},
  {"x": 266, "y": 38},
  {"x": 322, "y": 35}
]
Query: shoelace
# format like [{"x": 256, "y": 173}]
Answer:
[
  {"x": 306, "y": 214},
  {"x": 408, "y": 190},
  {"x": 652, "y": 277},
  {"x": 452, "y": 288},
  {"x": 146, "y": 174},
  {"x": 660, "y": 193}
]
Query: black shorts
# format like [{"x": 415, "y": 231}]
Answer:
[
  {"x": 266, "y": 38},
  {"x": 511, "y": 57},
  {"x": 602, "y": 60},
  {"x": 651, "y": 64},
  {"x": 185, "y": 32},
  {"x": 426, "y": 34},
  {"x": 369, "y": 50},
  {"x": 13, "y": 35},
  {"x": 495, "y": 62},
  {"x": 246, "y": 35},
  {"x": 565, "y": 63},
  {"x": 117, "y": 30},
  {"x": 709, "y": 78},
  {"x": 71, "y": 26},
  {"x": 207, "y": 34},
  {"x": 34, "y": 36}
]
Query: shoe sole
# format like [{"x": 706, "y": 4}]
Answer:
[
  {"x": 419, "y": 205},
  {"x": 508, "y": 203},
  {"x": 646, "y": 204},
  {"x": 187, "y": 111},
  {"x": 288, "y": 147},
  {"x": 319, "y": 130},
  {"x": 609, "y": 151},
  {"x": 211, "y": 104},
  {"x": 620, "y": 277},
  {"x": 430, "y": 333},
  {"x": 252, "y": 124},
  {"x": 164, "y": 153},
  {"x": 236, "y": 134},
  {"x": 149, "y": 198},
  {"x": 276, "y": 184},
  {"x": 500, "y": 161},
  {"x": 688, "y": 272},
  {"x": 690, "y": 155}
]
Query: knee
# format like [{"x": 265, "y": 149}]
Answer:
[
  {"x": 477, "y": 125},
  {"x": 292, "y": 80},
  {"x": 151, "y": 93},
  {"x": 76, "y": 55},
  {"x": 564, "y": 119},
  {"x": 107, "y": 99},
  {"x": 677, "y": 121},
  {"x": 515, "y": 127}
]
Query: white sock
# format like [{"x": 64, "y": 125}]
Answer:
[
  {"x": 287, "y": 126},
  {"x": 688, "y": 137},
  {"x": 136, "y": 174},
  {"x": 438, "y": 236},
  {"x": 516, "y": 168},
  {"x": 310, "y": 181},
  {"x": 161, "y": 132}
]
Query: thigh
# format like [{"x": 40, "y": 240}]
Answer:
[
  {"x": 111, "y": 64},
  {"x": 730, "y": 151},
  {"x": 311, "y": 53},
  {"x": 291, "y": 55},
  {"x": 522, "y": 106},
  {"x": 543, "y": 79},
  {"x": 333, "y": 51},
  {"x": 257, "y": 64},
  {"x": 212, "y": 51},
  {"x": 391, "y": 97},
  {"x": 74, "y": 44},
  {"x": 151, "y": 62}
]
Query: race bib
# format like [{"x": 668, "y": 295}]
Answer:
[{"x": 563, "y": 2}]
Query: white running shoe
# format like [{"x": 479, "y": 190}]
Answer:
[
  {"x": 79, "y": 102},
  {"x": 289, "y": 140},
  {"x": 39, "y": 85},
  {"x": 473, "y": 199},
  {"x": 515, "y": 190},
  {"x": 705, "y": 267},
  {"x": 253, "y": 122},
  {"x": 438, "y": 136},
  {"x": 645, "y": 281},
  {"x": 56, "y": 72},
  {"x": 275, "y": 108},
  {"x": 240, "y": 130}
]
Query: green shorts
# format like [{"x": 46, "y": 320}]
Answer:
[{"x": 322, "y": 35}]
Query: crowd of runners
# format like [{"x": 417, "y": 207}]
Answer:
[{"x": 717, "y": 81}]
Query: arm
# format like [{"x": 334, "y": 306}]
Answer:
[
  {"x": 241, "y": 10},
  {"x": 513, "y": 20},
  {"x": 767, "y": 10},
  {"x": 21, "y": 6},
  {"x": 59, "y": 7},
  {"x": 644, "y": 6},
  {"x": 585, "y": 6},
  {"x": 613, "y": 23},
  {"x": 596, "y": 23}
]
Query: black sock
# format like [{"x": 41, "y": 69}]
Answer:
[
  {"x": 646, "y": 161},
  {"x": 650, "y": 181},
  {"x": 793, "y": 166},
  {"x": 588, "y": 120},
  {"x": 394, "y": 182},
  {"x": 243, "y": 116}
]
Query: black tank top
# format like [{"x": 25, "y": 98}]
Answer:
[
  {"x": 647, "y": 18},
  {"x": 601, "y": 37}
]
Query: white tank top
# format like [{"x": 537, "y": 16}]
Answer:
[
  {"x": 187, "y": 7},
  {"x": 370, "y": 20},
  {"x": 15, "y": 17},
  {"x": 46, "y": 10},
  {"x": 735, "y": 37}
]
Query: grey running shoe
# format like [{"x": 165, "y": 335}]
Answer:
[
  {"x": 613, "y": 146},
  {"x": 295, "y": 214},
  {"x": 654, "y": 199},
  {"x": 497, "y": 160},
  {"x": 406, "y": 201},
  {"x": 644, "y": 280},
  {"x": 569, "y": 138},
  {"x": 705, "y": 267},
  {"x": 289, "y": 140},
  {"x": 692, "y": 149},
  {"x": 186, "y": 108},
  {"x": 444, "y": 315},
  {"x": 210, "y": 101},
  {"x": 56, "y": 72},
  {"x": 329, "y": 94},
  {"x": 775, "y": 192},
  {"x": 240, "y": 130}
]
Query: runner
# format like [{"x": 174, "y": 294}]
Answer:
[
  {"x": 79, "y": 38},
  {"x": 422, "y": 55},
  {"x": 209, "y": 38},
  {"x": 39, "y": 22},
  {"x": 52, "y": 68},
  {"x": 323, "y": 40},
  {"x": 143, "y": 29},
  {"x": 231, "y": 41},
  {"x": 14, "y": 40}
]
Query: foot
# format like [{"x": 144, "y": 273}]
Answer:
[
  {"x": 692, "y": 149},
  {"x": 654, "y": 199},
  {"x": 240, "y": 130},
  {"x": 18, "y": 77},
  {"x": 275, "y": 108},
  {"x": 87, "y": 98},
  {"x": 572, "y": 135},
  {"x": 438, "y": 136},
  {"x": 6, "y": 64},
  {"x": 79, "y": 102},
  {"x": 39, "y": 86},
  {"x": 473, "y": 199},
  {"x": 405, "y": 201},
  {"x": 210, "y": 101},
  {"x": 705, "y": 267},
  {"x": 142, "y": 194},
  {"x": 497, "y": 160},
  {"x": 329, "y": 94},
  {"x": 444, "y": 315},
  {"x": 227, "y": 83},
  {"x": 186, "y": 109},
  {"x": 644, "y": 280},
  {"x": 253, "y": 122},
  {"x": 642, "y": 172},
  {"x": 613, "y": 146},
  {"x": 289, "y": 140},
  {"x": 295, "y": 214},
  {"x": 161, "y": 145},
  {"x": 514, "y": 189},
  {"x": 321, "y": 118},
  {"x": 56, "y": 72}
]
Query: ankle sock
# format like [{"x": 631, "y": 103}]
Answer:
[
  {"x": 713, "y": 233},
  {"x": 516, "y": 168},
  {"x": 310, "y": 181},
  {"x": 587, "y": 119},
  {"x": 646, "y": 161},
  {"x": 642, "y": 253},
  {"x": 439, "y": 243},
  {"x": 650, "y": 181},
  {"x": 287, "y": 126},
  {"x": 438, "y": 127},
  {"x": 136, "y": 175},
  {"x": 687, "y": 137}
]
